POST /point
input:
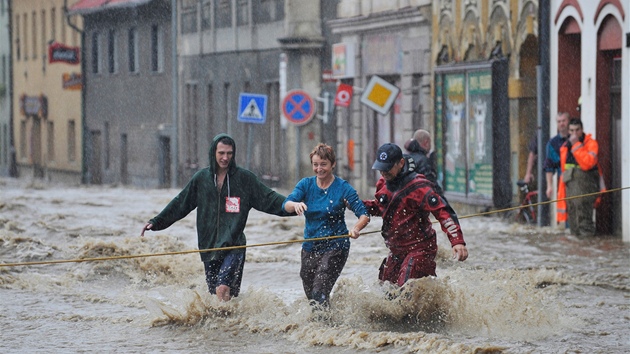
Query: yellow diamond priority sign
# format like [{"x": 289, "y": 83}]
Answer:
[{"x": 379, "y": 95}]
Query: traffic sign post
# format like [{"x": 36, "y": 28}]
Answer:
[
  {"x": 252, "y": 108},
  {"x": 298, "y": 107}
]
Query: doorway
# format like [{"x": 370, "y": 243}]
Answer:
[
  {"x": 164, "y": 162},
  {"x": 615, "y": 107},
  {"x": 124, "y": 160},
  {"x": 36, "y": 148},
  {"x": 608, "y": 122}
]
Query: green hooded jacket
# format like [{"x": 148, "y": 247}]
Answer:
[{"x": 216, "y": 227}]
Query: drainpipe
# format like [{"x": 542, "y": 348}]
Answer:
[
  {"x": 175, "y": 81},
  {"x": 84, "y": 163},
  {"x": 543, "y": 104},
  {"x": 12, "y": 148}
]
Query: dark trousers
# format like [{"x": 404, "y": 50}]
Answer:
[
  {"x": 227, "y": 271},
  {"x": 320, "y": 271},
  {"x": 580, "y": 210}
]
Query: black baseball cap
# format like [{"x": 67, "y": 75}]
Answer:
[{"x": 387, "y": 156}]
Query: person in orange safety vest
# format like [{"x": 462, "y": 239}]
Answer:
[{"x": 581, "y": 175}]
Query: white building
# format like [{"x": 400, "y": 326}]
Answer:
[{"x": 589, "y": 60}]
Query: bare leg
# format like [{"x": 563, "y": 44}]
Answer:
[{"x": 223, "y": 293}]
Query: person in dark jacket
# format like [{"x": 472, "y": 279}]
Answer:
[
  {"x": 404, "y": 199},
  {"x": 223, "y": 194},
  {"x": 419, "y": 148}
]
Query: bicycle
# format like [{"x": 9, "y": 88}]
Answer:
[{"x": 526, "y": 213}]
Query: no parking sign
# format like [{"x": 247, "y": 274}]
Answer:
[{"x": 298, "y": 107}]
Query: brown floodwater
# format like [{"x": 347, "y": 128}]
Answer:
[{"x": 522, "y": 290}]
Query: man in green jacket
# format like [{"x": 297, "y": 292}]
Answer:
[{"x": 223, "y": 194}]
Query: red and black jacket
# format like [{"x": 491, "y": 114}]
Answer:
[{"x": 405, "y": 205}]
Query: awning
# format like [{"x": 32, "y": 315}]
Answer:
[{"x": 86, "y": 7}]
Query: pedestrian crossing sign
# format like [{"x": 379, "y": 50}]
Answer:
[{"x": 252, "y": 108}]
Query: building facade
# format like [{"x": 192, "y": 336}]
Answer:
[
  {"x": 589, "y": 68},
  {"x": 231, "y": 50},
  {"x": 391, "y": 40},
  {"x": 128, "y": 94},
  {"x": 46, "y": 91}
]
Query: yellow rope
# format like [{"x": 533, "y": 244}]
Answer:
[
  {"x": 541, "y": 203},
  {"x": 146, "y": 255},
  {"x": 81, "y": 260}
]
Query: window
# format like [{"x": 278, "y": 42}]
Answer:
[
  {"x": 157, "y": 50},
  {"x": 53, "y": 24},
  {"x": 5, "y": 144},
  {"x": 189, "y": 16},
  {"x": 226, "y": 102},
  {"x": 106, "y": 142},
  {"x": 25, "y": 35},
  {"x": 23, "y": 139},
  {"x": 416, "y": 100},
  {"x": 615, "y": 80},
  {"x": 242, "y": 12},
  {"x": 44, "y": 39},
  {"x": 223, "y": 13},
  {"x": 34, "y": 33},
  {"x": 95, "y": 54},
  {"x": 210, "y": 110},
  {"x": 206, "y": 14},
  {"x": 268, "y": 10},
  {"x": 51, "y": 141},
  {"x": 17, "y": 37},
  {"x": 112, "y": 63},
  {"x": 75, "y": 37},
  {"x": 62, "y": 26},
  {"x": 191, "y": 126},
  {"x": 133, "y": 50},
  {"x": 72, "y": 139}
]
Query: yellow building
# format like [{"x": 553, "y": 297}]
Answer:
[
  {"x": 477, "y": 31},
  {"x": 47, "y": 91}
]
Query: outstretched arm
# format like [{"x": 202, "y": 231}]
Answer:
[
  {"x": 360, "y": 225},
  {"x": 295, "y": 207}
]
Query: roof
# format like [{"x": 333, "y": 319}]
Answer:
[{"x": 86, "y": 7}]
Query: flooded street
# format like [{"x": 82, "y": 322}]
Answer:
[{"x": 522, "y": 290}]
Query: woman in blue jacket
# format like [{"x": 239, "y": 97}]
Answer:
[{"x": 322, "y": 199}]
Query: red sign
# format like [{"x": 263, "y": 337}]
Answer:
[
  {"x": 58, "y": 52},
  {"x": 344, "y": 95},
  {"x": 327, "y": 76}
]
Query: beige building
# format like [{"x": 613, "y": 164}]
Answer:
[{"x": 47, "y": 124}]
